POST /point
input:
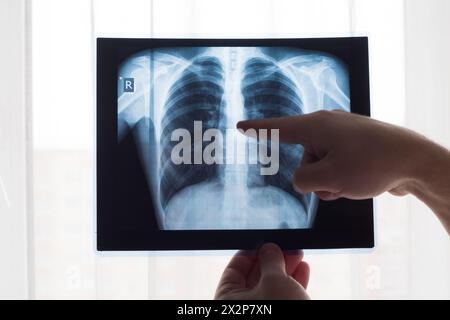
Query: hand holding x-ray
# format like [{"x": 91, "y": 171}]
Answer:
[
  {"x": 267, "y": 274},
  {"x": 348, "y": 156}
]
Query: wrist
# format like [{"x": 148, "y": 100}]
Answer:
[
  {"x": 430, "y": 179},
  {"x": 429, "y": 166}
]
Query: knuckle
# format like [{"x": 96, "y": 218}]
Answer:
[
  {"x": 334, "y": 175},
  {"x": 324, "y": 114}
]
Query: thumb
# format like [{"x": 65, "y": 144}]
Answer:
[
  {"x": 315, "y": 177},
  {"x": 271, "y": 260}
]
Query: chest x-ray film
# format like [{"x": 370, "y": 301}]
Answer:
[{"x": 175, "y": 173}]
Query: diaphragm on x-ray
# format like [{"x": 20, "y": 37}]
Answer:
[{"x": 197, "y": 89}]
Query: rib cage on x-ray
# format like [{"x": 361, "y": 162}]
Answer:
[
  {"x": 219, "y": 86},
  {"x": 269, "y": 93},
  {"x": 196, "y": 96}
]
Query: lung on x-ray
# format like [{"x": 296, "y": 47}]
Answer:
[{"x": 195, "y": 89}]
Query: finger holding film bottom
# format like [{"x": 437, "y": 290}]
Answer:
[
  {"x": 271, "y": 260},
  {"x": 292, "y": 260},
  {"x": 236, "y": 272},
  {"x": 301, "y": 274}
]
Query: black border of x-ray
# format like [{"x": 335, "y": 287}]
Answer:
[{"x": 118, "y": 234}]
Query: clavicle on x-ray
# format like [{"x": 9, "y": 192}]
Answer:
[{"x": 197, "y": 89}]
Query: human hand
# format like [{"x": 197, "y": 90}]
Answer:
[
  {"x": 269, "y": 274},
  {"x": 347, "y": 155},
  {"x": 355, "y": 157}
]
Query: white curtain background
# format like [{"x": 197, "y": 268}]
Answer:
[{"x": 47, "y": 143}]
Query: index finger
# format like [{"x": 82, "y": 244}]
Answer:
[{"x": 293, "y": 130}]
